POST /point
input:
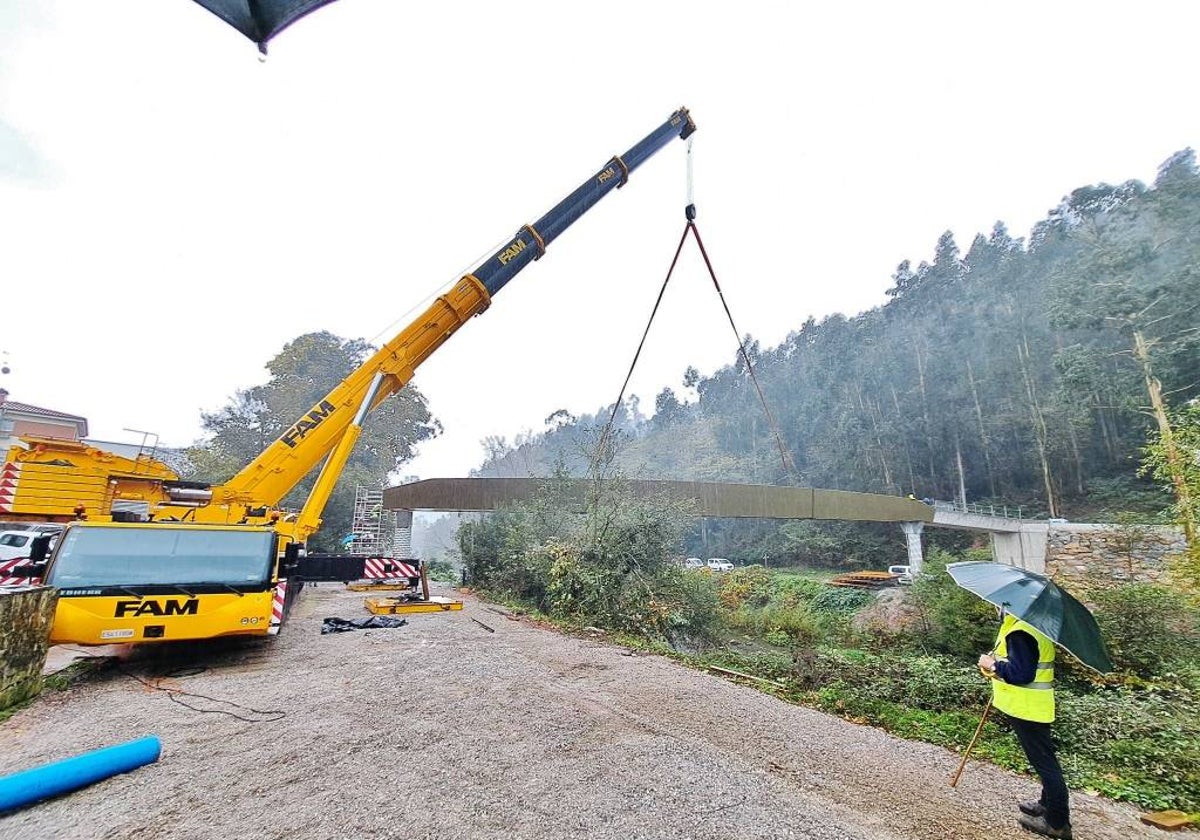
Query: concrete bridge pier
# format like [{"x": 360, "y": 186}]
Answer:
[{"x": 912, "y": 533}]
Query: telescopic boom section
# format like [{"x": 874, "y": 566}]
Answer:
[{"x": 282, "y": 465}]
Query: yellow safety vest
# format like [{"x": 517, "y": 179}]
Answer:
[{"x": 1034, "y": 701}]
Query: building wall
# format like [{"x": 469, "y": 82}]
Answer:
[{"x": 44, "y": 428}]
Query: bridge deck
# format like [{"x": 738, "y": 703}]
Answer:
[{"x": 756, "y": 501}]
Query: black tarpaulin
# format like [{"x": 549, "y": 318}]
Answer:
[
  {"x": 261, "y": 20},
  {"x": 342, "y": 625}
]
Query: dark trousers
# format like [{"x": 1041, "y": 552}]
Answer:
[{"x": 1039, "y": 749}]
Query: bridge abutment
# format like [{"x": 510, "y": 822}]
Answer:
[{"x": 1024, "y": 548}]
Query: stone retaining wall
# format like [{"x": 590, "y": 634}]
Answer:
[
  {"x": 25, "y": 617},
  {"x": 1109, "y": 555}
]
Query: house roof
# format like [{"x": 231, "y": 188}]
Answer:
[{"x": 19, "y": 408}]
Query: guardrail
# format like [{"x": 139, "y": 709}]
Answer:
[{"x": 1001, "y": 511}]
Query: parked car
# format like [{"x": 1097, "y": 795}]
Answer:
[
  {"x": 903, "y": 574},
  {"x": 15, "y": 544},
  {"x": 719, "y": 564},
  {"x": 693, "y": 563}
]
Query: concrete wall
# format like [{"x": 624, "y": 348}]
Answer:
[
  {"x": 1108, "y": 555},
  {"x": 1025, "y": 549},
  {"x": 25, "y": 617}
]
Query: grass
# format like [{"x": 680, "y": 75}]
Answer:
[{"x": 822, "y": 575}]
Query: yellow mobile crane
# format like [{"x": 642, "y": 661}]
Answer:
[{"x": 216, "y": 561}]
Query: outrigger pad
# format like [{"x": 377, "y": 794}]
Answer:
[{"x": 342, "y": 625}]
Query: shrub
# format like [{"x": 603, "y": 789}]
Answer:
[
  {"x": 609, "y": 565},
  {"x": 442, "y": 570},
  {"x": 793, "y": 590},
  {"x": 692, "y": 607},
  {"x": 745, "y": 587},
  {"x": 840, "y": 600},
  {"x": 1148, "y": 737},
  {"x": 956, "y": 622},
  {"x": 1148, "y": 628}
]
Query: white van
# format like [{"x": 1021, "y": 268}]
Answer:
[{"x": 903, "y": 574}]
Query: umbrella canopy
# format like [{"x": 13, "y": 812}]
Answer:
[
  {"x": 261, "y": 20},
  {"x": 1038, "y": 601}
]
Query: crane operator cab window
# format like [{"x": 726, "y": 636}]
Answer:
[{"x": 116, "y": 557}]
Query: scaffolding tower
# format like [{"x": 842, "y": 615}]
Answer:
[{"x": 374, "y": 529}]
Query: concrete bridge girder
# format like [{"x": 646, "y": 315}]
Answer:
[
  {"x": 975, "y": 522},
  {"x": 1014, "y": 542}
]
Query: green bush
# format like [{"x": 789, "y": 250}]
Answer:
[
  {"x": 1149, "y": 629},
  {"x": 956, "y": 622},
  {"x": 442, "y": 570},
  {"x": 841, "y": 600},
  {"x": 919, "y": 682},
  {"x": 1133, "y": 743},
  {"x": 793, "y": 590},
  {"x": 1140, "y": 745},
  {"x": 692, "y": 614},
  {"x": 610, "y": 566},
  {"x": 746, "y": 587}
]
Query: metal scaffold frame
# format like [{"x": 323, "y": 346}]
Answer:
[{"x": 373, "y": 528}]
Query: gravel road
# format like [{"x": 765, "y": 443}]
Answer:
[{"x": 442, "y": 729}]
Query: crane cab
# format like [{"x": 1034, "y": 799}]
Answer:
[{"x": 160, "y": 582}]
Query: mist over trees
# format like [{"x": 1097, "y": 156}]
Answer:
[{"x": 1011, "y": 370}]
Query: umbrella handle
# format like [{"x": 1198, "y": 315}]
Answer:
[{"x": 966, "y": 753}]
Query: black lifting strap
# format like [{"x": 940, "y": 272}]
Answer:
[
  {"x": 602, "y": 443},
  {"x": 690, "y": 212}
]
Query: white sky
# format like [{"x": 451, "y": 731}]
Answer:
[{"x": 172, "y": 210}]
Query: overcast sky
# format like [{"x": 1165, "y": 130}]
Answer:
[{"x": 172, "y": 210}]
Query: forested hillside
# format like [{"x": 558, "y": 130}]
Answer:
[{"x": 1015, "y": 370}]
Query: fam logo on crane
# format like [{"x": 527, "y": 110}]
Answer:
[
  {"x": 510, "y": 253},
  {"x": 307, "y": 423},
  {"x": 147, "y": 606}
]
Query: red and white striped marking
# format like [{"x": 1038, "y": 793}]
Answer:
[
  {"x": 6, "y": 578},
  {"x": 277, "y": 600},
  {"x": 9, "y": 474},
  {"x": 384, "y": 568}
]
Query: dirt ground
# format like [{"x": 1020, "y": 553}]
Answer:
[{"x": 443, "y": 729}]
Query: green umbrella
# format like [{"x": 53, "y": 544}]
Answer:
[{"x": 1038, "y": 601}]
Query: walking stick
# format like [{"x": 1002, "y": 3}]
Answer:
[{"x": 966, "y": 753}]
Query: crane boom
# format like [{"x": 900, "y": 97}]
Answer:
[{"x": 316, "y": 434}]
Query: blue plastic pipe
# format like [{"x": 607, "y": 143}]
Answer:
[{"x": 28, "y": 786}]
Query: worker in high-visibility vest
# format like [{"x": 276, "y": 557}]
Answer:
[{"x": 1021, "y": 668}]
